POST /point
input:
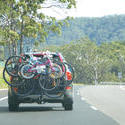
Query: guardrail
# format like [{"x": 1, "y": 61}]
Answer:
[{"x": 112, "y": 83}]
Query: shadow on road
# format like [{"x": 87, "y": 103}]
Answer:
[
  {"x": 39, "y": 108},
  {"x": 4, "y": 109}
]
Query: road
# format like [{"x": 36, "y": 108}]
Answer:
[
  {"x": 109, "y": 99},
  {"x": 85, "y": 112}
]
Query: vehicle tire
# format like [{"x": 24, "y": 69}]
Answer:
[
  {"x": 13, "y": 107},
  {"x": 54, "y": 94},
  {"x": 56, "y": 71},
  {"x": 12, "y": 65},
  {"x": 13, "y": 104},
  {"x": 47, "y": 83},
  {"x": 25, "y": 89},
  {"x": 63, "y": 67},
  {"x": 24, "y": 71},
  {"x": 68, "y": 107},
  {"x": 63, "y": 105},
  {"x": 11, "y": 81}
]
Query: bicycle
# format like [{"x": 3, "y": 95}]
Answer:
[
  {"x": 13, "y": 64},
  {"x": 43, "y": 66}
]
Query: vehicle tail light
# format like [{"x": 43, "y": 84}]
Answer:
[
  {"x": 68, "y": 87},
  {"x": 15, "y": 89},
  {"x": 69, "y": 75}
]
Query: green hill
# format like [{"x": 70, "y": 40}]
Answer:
[{"x": 104, "y": 29}]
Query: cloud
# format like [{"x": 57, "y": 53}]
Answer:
[
  {"x": 90, "y": 8},
  {"x": 95, "y": 8}
]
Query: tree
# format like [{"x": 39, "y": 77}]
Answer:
[
  {"x": 90, "y": 61},
  {"x": 22, "y": 20}
]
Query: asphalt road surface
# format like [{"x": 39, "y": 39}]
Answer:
[
  {"x": 85, "y": 112},
  {"x": 109, "y": 99}
]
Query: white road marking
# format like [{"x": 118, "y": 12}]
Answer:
[
  {"x": 82, "y": 98},
  {"x": 122, "y": 87},
  {"x": 3, "y": 89},
  {"x": 93, "y": 107},
  {"x": 4, "y": 98},
  {"x": 77, "y": 92}
]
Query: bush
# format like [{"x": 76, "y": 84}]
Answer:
[
  {"x": 111, "y": 77},
  {"x": 2, "y": 82}
]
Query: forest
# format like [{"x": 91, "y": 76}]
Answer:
[{"x": 100, "y": 30}]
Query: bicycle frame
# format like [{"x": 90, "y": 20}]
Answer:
[
  {"x": 39, "y": 67},
  {"x": 34, "y": 70}
]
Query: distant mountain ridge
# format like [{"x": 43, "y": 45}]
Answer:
[{"x": 104, "y": 29}]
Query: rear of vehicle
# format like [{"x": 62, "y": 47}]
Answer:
[{"x": 64, "y": 94}]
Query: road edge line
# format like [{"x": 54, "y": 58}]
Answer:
[
  {"x": 4, "y": 98},
  {"x": 94, "y": 108},
  {"x": 3, "y": 89}
]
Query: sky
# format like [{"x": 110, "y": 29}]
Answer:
[{"x": 90, "y": 8}]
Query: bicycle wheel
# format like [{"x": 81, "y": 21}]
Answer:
[
  {"x": 11, "y": 81},
  {"x": 12, "y": 65},
  {"x": 24, "y": 71},
  {"x": 56, "y": 71},
  {"x": 70, "y": 74},
  {"x": 55, "y": 93},
  {"x": 60, "y": 73},
  {"x": 47, "y": 83},
  {"x": 25, "y": 89}
]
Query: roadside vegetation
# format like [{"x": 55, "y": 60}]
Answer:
[
  {"x": 2, "y": 82},
  {"x": 95, "y": 63}
]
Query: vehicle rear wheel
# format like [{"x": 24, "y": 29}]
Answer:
[
  {"x": 13, "y": 107},
  {"x": 68, "y": 107},
  {"x": 12, "y": 65},
  {"x": 12, "y": 101}
]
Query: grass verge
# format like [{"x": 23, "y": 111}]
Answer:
[
  {"x": 78, "y": 84},
  {"x": 3, "y": 85}
]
